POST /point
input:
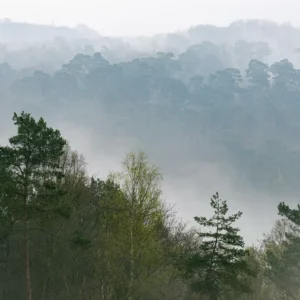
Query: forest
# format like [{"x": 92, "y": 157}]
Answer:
[
  {"x": 72, "y": 236},
  {"x": 210, "y": 109}
]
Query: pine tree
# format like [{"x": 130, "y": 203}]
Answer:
[
  {"x": 220, "y": 259},
  {"x": 30, "y": 173}
]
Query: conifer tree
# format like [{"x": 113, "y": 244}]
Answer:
[
  {"x": 220, "y": 259},
  {"x": 30, "y": 170}
]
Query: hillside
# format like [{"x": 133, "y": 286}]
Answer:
[
  {"x": 216, "y": 114},
  {"x": 17, "y": 32}
]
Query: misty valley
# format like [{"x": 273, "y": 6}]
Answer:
[{"x": 148, "y": 168}]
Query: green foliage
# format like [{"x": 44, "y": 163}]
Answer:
[
  {"x": 282, "y": 256},
  {"x": 116, "y": 238},
  {"x": 32, "y": 165},
  {"x": 292, "y": 215},
  {"x": 220, "y": 260},
  {"x": 30, "y": 169}
]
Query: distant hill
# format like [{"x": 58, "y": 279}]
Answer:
[
  {"x": 283, "y": 39},
  {"x": 25, "y": 32},
  {"x": 47, "y": 47},
  {"x": 250, "y": 30}
]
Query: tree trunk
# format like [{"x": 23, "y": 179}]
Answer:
[
  {"x": 7, "y": 253},
  {"x": 131, "y": 261},
  {"x": 102, "y": 291},
  {"x": 26, "y": 248}
]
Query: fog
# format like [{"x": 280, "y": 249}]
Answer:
[
  {"x": 133, "y": 17},
  {"x": 194, "y": 161},
  {"x": 187, "y": 186}
]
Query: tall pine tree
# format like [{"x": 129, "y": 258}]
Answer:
[
  {"x": 220, "y": 259},
  {"x": 30, "y": 173}
]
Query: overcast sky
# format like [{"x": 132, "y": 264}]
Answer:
[{"x": 132, "y": 17}]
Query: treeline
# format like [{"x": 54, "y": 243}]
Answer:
[
  {"x": 32, "y": 46},
  {"x": 66, "y": 235},
  {"x": 49, "y": 57}
]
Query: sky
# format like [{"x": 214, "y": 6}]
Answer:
[{"x": 140, "y": 17}]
